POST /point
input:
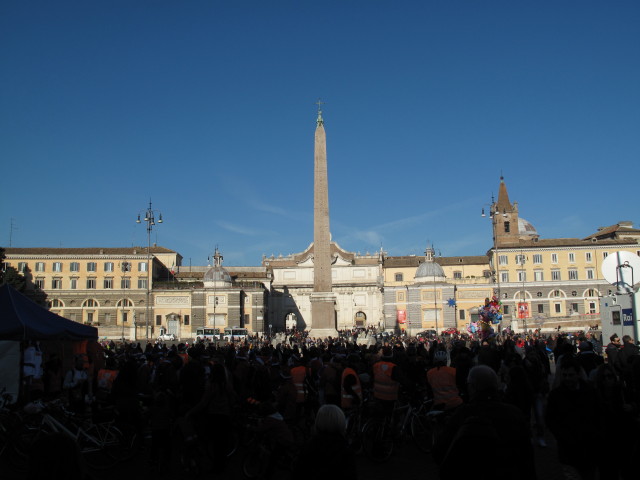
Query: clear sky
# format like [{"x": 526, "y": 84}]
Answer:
[{"x": 208, "y": 109}]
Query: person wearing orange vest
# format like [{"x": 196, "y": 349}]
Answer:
[
  {"x": 386, "y": 379},
  {"x": 351, "y": 389},
  {"x": 442, "y": 381},
  {"x": 298, "y": 376}
]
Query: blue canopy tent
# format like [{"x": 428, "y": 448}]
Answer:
[{"x": 23, "y": 321}]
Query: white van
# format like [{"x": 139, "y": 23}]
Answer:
[
  {"x": 208, "y": 334},
  {"x": 235, "y": 334}
]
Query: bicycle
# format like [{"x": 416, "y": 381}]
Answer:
[
  {"x": 381, "y": 434},
  {"x": 101, "y": 445}
]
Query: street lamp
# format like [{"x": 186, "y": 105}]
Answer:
[
  {"x": 522, "y": 306},
  {"x": 149, "y": 219},
  {"x": 493, "y": 212},
  {"x": 126, "y": 267}
]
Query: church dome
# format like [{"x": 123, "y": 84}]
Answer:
[
  {"x": 429, "y": 270},
  {"x": 525, "y": 228},
  {"x": 217, "y": 276}
]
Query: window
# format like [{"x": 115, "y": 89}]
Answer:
[
  {"x": 91, "y": 266},
  {"x": 158, "y": 319},
  {"x": 587, "y": 257},
  {"x": 539, "y": 294},
  {"x": 558, "y": 307},
  {"x": 521, "y": 259},
  {"x": 39, "y": 266},
  {"x": 91, "y": 283},
  {"x": 40, "y": 283},
  {"x": 590, "y": 274},
  {"x": 503, "y": 260},
  {"x": 73, "y": 285},
  {"x": 522, "y": 276},
  {"x": 142, "y": 266},
  {"x": 125, "y": 283},
  {"x": 556, "y": 293},
  {"x": 108, "y": 266},
  {"x": 592, "y": 307},
  {"x": 57, "y": 266},
  {"x": 555, "y": 275},
  {"x": 457, "y": 274},
  {"x": 399, "y": 277},
  {"x": 108, "y": 283},
  {"x": 554, "y": 258},
  {"x": 89, "y": 317},
  {"x": 186, "y": 319},
  {"x": 541, "y": 308},
  {"x": 142, "y": 283},
  {"x": 573, "y": 274},
  {"x": 574, "y": 293},
  {"x": 56, "y": 283},
  {"x": 537, "y": 258},
  {"x": 124, "y": 303},
  {"x": 507, "y": 227},
  {"x": 574, "y": 308},
  {"x": 55, "y": 303},
  {"x": 505, "y": 309},
  {"x": 462, "y": 315},
  {"x": 572, "y": 257},
  {"x": 90, "y": 303},
  {"x": 605, "y": 254},
  {"x": 504, "y": 277},
  {"x": 591, "y": 292},
  {"x": 538, "y": 276},
  {"x": 74, "y": 267},
  {"x": 22, "y": 266}
]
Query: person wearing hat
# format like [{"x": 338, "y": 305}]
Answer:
[{"x": 441, "y": 380}]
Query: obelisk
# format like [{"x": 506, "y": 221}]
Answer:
[{"x": 323, "y": 311}]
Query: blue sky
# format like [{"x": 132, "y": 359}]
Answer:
[{"x": 208, "y": 108}]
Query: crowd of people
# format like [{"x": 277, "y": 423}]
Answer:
[{"x": 499, "y": 395}]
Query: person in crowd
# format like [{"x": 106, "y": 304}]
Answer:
[
  {"x": 612, "y": 349},
  {"x": 442, "y": 383},
  {"x": 77, "y": 385},
  {"x": 568, "y": 408},
  {"x": 327, "y": 454},
  {"x": 485, "y": 423}
]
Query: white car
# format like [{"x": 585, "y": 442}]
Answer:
[{"x": 165, "y": 336}]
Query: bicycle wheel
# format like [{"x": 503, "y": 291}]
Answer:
[
  {"x": 256, "y": 461},
  {"x": 377, "y": 440},
  {"x": 101, "y": 446},
  {"x": 422, "y": 432},
  {"x": 354, "y": 432}
]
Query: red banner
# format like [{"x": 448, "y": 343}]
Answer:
[
  {"x": 523, "y": 310},
  {"x": 402, "y": 316}
]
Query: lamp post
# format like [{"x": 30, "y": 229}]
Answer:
[
  {"x": 125, "y": 266},
  {"x": 149, "y": 219},
  {"x": 493, "y": 212},
  {"x": 523, "y": 296}
]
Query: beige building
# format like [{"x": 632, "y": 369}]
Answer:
[
  {"x": 105, "y": 287},
  {"x": 545, "y": 283},
  {"x": 434, "y": 293},
  {"x": 356, "y": 283}
]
